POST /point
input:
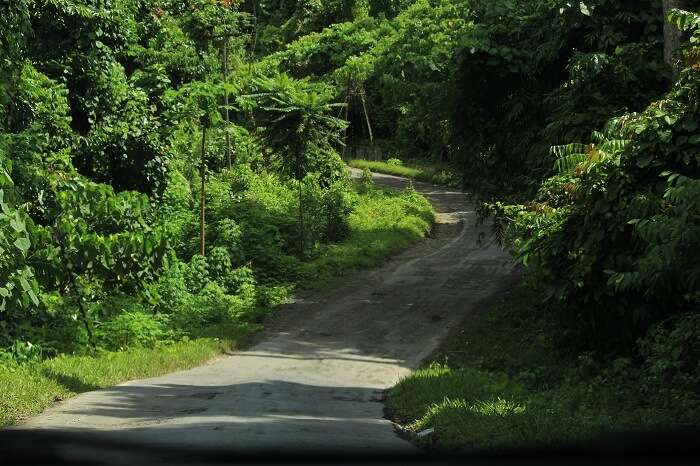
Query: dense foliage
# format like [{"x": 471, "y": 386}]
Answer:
[
  {"x": 156, "y": 182},
  {"x": 490, "y": 87},
  {"x": 614, "y": 233},
  {"x": 169, "y": 168}
]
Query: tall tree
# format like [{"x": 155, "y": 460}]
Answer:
[
  {"x": 672, "y": 36},
  {"x": 299, "y": 126}
]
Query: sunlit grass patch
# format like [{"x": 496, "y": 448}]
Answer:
[
  {"x": 27, "y": 389},
  {"x": 458, "y": 404},
  {"x": 383, "y": 223},
  {"x": 413, "y": 169}
]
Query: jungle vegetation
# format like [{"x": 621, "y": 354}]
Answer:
[{"x": 173, "y": 169}]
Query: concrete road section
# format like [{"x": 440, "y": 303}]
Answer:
[{"x": 315, "y": 380}]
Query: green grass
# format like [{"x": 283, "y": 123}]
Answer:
[
  {"x": 383, "y": 223},
  {"x": 28, "y": 389},
  {"x": 414, "y": 169},
  {"x": 500, "y": 381}
]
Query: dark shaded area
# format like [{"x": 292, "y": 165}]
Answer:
[
  {"x": 71, "y": 383},
  {"x": 677, "y": 447}
]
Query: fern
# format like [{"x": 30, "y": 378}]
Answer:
[
  {"x": 568, "y": 150},
  {"x": 568, "y": 156},
  {"x": 571, "y": 156}
]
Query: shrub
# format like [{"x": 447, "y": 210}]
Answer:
[
  {"x": 366, "y": 180},
  {"x": 615, "y": 235},
  {"x": 671, "y": 352},
  {"x": 337, "y": 203},
  {"x": 213, "y": 305},
  {"x": 218, "y": 263},
  {"x": 196, "y": 274},
  {"x": 131, "y": 329},
  {"x": 170, "y": 291},
  {"x": 227, "y": 233},
  {"x": 237, "y": 278}
]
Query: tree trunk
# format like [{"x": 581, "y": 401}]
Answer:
[
  {"x": 226, "y": 113},
  {"x": 369, "y": 126},
  {"x": 345, "y": 131},
  {"x": 672, "y": 36},
  {"x": 301, "y": 222},
  {"x": 203, "y": 172},
  {"x": 302, "y": 231},
  {"x": 255, "y": 28}
]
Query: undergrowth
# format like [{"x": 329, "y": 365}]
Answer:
[
  {"x": 504, "y": 380},
  {"x": 30, "y": 387},
  {"x": 138, "y": 344}
]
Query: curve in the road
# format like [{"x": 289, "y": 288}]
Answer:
[{"x": 316, "y": 379}]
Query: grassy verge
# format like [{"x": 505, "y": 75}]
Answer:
[
  {"x": 413, "y": 169},
  {"x": 501, "y": 381},
  {"x": 27, "y": 389},
  {"x": 383, "y": 223}
]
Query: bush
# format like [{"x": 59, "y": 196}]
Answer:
[
  {"x": 170, "y": 291},
  {"x": 212, "y": 306},
  {"x": 131, "y": 329},
  {"x": 366, "y": 180},
  {"x": 237, "y": 278},
  {"x": 196, "y": 274},
  {"x": 227, "y": 233},
  {"x": 616, "y": 234},
  {"x": 338, "y": 203},
  {"x": 218, "y": 263},
  {"x": 671, "y": 355}
]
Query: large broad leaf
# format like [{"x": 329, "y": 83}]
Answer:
[
  {"x": 27, "y": 288},
  {"x": 3, "y": 205},
  {"x": 33, "y": 297},
  {"x": 17, "y": 223},
  {"x": 23, "y": 244}
]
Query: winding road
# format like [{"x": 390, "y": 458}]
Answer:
[{"x": 316, "y": 378}]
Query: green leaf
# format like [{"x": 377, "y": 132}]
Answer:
[
  {"x": 645, "y": 160},
  {"x": 584, "y": 9},
  {"x": 33, "y": 297},
  {"x": 25, "y": 284},
  {"x": 23, "y": 244},
  {"x": 17, "y": 223}
]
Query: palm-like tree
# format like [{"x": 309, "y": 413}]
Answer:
[{"x": 298, "y": 125}]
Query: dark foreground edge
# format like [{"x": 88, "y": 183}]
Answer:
[{"x": 671, "y": 447}]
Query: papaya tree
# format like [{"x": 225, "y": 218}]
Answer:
[
  {"x": 214, "y": 23},
  {"x": 199, "y": 103}
]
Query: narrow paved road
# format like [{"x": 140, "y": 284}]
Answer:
[{"x": 316, "y": 379}]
